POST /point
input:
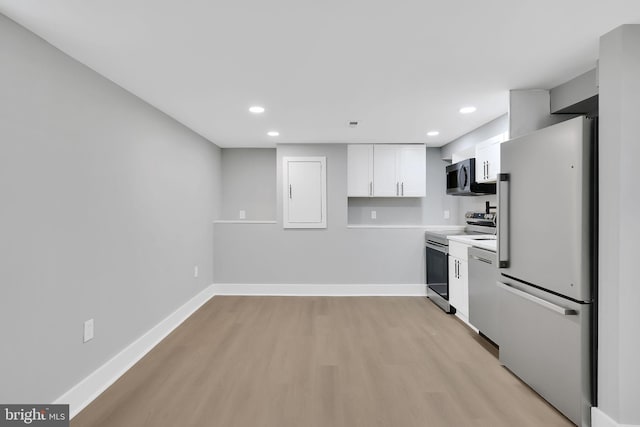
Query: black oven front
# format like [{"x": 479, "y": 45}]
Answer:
[{"x": 437, "y": 265}]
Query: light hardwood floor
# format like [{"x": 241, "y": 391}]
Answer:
[{"x": 320, "y": 362}]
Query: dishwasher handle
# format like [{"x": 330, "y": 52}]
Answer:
[{"x": 486, "y": 261}]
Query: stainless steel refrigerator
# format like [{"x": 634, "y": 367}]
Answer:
[{"x": 546, "y": 255}]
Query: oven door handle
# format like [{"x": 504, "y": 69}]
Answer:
[{"x": 443, "y": 249}]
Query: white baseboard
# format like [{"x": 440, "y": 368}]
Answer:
[
  {"x": 83, "y": 393},
  {"x": 320, "y": 289},
  {"x": 600, "y": 419}
]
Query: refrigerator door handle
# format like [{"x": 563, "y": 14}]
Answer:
[
  {"x": 546, "y": 304},
  {"x": 503, "y": 220}
]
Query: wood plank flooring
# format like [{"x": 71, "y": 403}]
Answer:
[{"x": 320, "y": 362}]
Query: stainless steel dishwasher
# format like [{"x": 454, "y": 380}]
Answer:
[{"x": 483, "y": 292}]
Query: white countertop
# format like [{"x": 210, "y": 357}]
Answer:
[{"x": 482, "y": 241}]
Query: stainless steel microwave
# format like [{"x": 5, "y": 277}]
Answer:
[{"x": 461, "y": 180}]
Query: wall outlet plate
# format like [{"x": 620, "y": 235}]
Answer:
[
  {"x": 447, "y": 215},
  {"x": 373, "y": 214},
  {"x": 195, "y": 271},
  {"x": 242, "y": 214},
  {"x": 88, "y": 330}
]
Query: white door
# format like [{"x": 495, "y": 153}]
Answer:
[
  {"x": 493, "y": 162},
  {"x": 463, "y": 285},
  {"x": 360, "y": 170},
  {"x": 304, "y": 192},
  {"x": 455, "y": 292},
  {"x": 412, "y": 170},
  {"x": 385, "y": 177}
]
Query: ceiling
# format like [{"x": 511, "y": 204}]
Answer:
[{"x": 401, "y": 68}]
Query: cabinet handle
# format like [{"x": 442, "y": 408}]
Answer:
[
  {"x": 397, "y": 188},
  {"x": 371, "y": 188},
  {"x": 290, "y": 193},
  {"x": 402, "y": 188},
  {"x": 458, "y": 269}
]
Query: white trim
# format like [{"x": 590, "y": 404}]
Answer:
[
  {"x": 83, "y": 393},
  {"x": 291, "y": 289},
  {"x": 423, "y": 227},
  {"x": 600, "y": 419},
  {"x": 243, "y": 221}
]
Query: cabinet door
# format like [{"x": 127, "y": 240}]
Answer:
[
  {"x": 304, "y": 192},
  {"x": 488, "y": 158},
  {"x": 412, "y": 170},
  {"x": 385, "y": 176},
  {"x": 360, "y": 170},
  {"x": 463, "y": 279},
  {"x": 481, "y": 164},
  {"x": 493, "y": 162},
  {"x": 455, "y": 292}
]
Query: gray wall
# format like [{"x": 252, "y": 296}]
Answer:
[
  {"x": 410, "y": 210},
  {"x": 249, "y": 183},
  {"x": 106, "y": 206},
  {"x": 574, "y": 91},
  {"x": 619, "y": 292},
  {"x": 267, "y": 253},
  {"x": 482, "y": 133},
  {"x": 530, "y": 110}
]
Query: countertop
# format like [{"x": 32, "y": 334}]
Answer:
[{"x": 482, "y": 241}]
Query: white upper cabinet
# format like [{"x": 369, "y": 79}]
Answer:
[
  {"x": 488, "y": 159},
  {"x": 304, "y": 192},
  {"x": 385, "y": 170},
  {"x": 360, "y": 170},
  {"x": 412, "y": 170}
]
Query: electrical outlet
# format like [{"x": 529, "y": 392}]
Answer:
[
  {"x": 242, "y": 214},
  {"x": 88, "y": 330},
  {"x": 195, "y": 271},
  {"x": 447, "y": 215},
  {"x": 373, "y": 214}
]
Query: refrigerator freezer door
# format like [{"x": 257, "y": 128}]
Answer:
[
  {"x": 544, "y": 340},
  {"x": 547, "y": 208}
]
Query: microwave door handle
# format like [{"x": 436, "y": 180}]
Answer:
[{"x": 503, "y": 220}]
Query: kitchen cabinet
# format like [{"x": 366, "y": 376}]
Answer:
[
  {"x": 360, "y": 170},
  {"x": 459, "y": 278},
  {"x": 304, "y": 192},
  {"x": 386, "y": 170},
  {"x": 488, "y": 159}
]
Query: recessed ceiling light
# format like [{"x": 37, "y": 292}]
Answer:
[
  {"x": 256, "y": 109},
  {"x": 468, "y": 110},
  {"x": 273, "y": 133},
  {"x": 433, "y": 133}
]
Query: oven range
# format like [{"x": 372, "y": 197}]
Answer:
[{"x": 437, "y": 255}]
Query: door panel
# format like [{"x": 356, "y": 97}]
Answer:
[
  {"x": 548, "y": 208},
  {"x": 412, "y": 169},
  {"x": 385, "y": 182},
  {"x": 546, "y": 349},
  {"x": 360, "y": 170}
]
